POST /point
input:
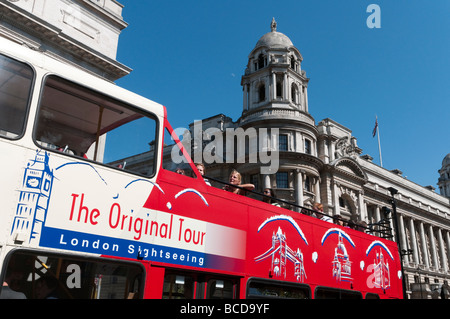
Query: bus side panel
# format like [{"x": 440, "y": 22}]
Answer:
[
  {"x": 204, "y": 224},
  {"x": 154, "y": 282},
  {"x": 278, "y": 246},
  {"x": 303, "y": 249},
  {"x": 13, "y": 194}
]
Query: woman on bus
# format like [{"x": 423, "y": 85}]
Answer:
[
  {"x": 201, "y": 169},
  {"x": 235, "y": 179},
  {"x": 269, "y": 197}
]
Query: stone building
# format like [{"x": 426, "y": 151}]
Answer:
[
  {"x": 83, "y": 33},
  {"x": 444, "y": 177},
  {"x": 323, "y": 163}
]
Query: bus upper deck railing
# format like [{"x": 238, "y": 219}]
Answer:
[{"x": 380, "y": 229}]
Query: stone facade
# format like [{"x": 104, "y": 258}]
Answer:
[{"x": 83, "y": 33}]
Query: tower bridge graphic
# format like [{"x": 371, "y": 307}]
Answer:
[{"x": 280, "y": 254}]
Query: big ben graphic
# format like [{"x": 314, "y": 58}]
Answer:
[{"x": 34, "y": 196}]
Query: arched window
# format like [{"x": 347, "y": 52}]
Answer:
[
  {"x": 261, "y": 61},
  {"x": 307, "y": 184},
  {"x": 293, "y": 64},
  {"x": 261, "y": 92},
  {"x": 308, "y": 149},
  {"x": 294, "y": 93},
  {"x": 279, "y": 89}
]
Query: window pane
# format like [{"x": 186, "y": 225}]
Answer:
[
  {"x": 283, "y": 142},
  {"x": 47, "y": 276},
  {"x": 331, "y": 293},
  {"x": 15, "y": 88},
  {"x": 282, "y": 180},
  {"x": 84, "y": 123},
  {"x": 220, "y": 289},
  {"x": 178, "y": 286},
  {"x": 173, "y": 157},
  {"x": 307, "y": 146},
  {"x": 265, "y": 289},
  {"x": 132, "y": 146}
]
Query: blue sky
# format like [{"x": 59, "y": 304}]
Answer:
[{"x": 190, "y": 56}]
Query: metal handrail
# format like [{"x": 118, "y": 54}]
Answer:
[{"x": 386, "y": 231}]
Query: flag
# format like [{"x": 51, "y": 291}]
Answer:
[{"x": 375, "y": 128}]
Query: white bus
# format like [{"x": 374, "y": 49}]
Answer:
[{"x": 59, "y": 131}]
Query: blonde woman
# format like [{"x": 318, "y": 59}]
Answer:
[{"x": 235, "y": 179}]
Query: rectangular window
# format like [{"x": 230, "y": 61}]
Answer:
[
  {"x": 307, "y": 184},
  {"x": 174, "y": 159},
  {"x": 266, "y": 289},
  {"x": 282, "y": 180},
  {"x": 194, "y": 285},
  {"x": 178, "y": 286},
  {"x": 15, "y": 92},
  {"x": 308, "y": 149},
  {"x": 254, "y": 179},
  {"x": 87, "y": 124},
  {"x": 333, "y": 293},
  {"x": 38, "y": 275},
  {"x": 283, "y": 142},
  {"x": 220, "y": 289}
]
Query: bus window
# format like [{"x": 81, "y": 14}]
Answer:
[
  {"x": 173, "y": 157},
  {"x": 36, "y": 275},
  {"x": 372, "y": 296},
  {"x": 220, "y": 289},
  {"x": 81, "y": 122},
  {"x": 270, "y": 289},
  {"x": 178, "y": 286},
  {"x": 333, "y": 293},
  {"x": 15, "y": 88}
]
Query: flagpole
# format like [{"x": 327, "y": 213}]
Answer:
[{"x": 379, "y": 144}]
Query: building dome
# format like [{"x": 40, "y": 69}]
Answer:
[
  {"x": 446, "y": 161},
  {"x": 274, "y": 39}
]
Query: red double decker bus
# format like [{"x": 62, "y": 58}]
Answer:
[{"x": 90, "y": 208}]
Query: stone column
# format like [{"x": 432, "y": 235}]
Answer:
[
  {"x": 337, "y": 208},
  {"x": 377, "y": 218},
  {"x": 401, "y": 226},
  {"x": 442, "y": 249},
  {"x": 434, "y": 259},
  {"x": 274, "y": 86},
  {"x": 447, "y": 239},
  {"x": 299, "y": 187},
  {"x": 306, "y": 99},
  {"x": 245, "y": 97},
  {"x": 266, "y": 181},
  {"x": 424, "y": 246},
  {"x": 332, "y": 151},
  {"x": 362, "y": 207},
  {"x": 414, "y": 247},
  {"x": 317, "y": 189}
]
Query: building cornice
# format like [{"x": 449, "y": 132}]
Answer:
[{"x": 54, "y": 38}]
